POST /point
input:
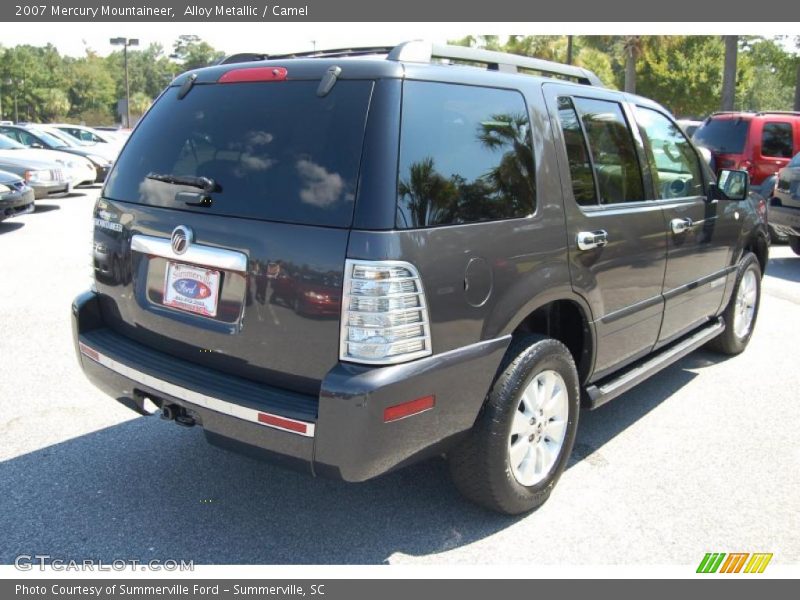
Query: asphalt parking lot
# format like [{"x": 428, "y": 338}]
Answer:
[{"x": 703, "y": 457}]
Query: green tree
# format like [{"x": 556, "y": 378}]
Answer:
[
  {"x": 192, "y": 52},
  {"x": 140, "y": 102},
  {"x": 767, "y": 73},
  {"x": 684, "y": 73},
  {"x": 52, "y": 104},
  {"x": 91, "y": 85}
]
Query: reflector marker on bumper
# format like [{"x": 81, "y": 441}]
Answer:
[{"x": 221, "y": 406}]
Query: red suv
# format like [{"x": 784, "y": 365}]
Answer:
[{"x": 761, "y": 143}]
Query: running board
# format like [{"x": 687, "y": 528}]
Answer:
[{"x": 610, "y": 389}]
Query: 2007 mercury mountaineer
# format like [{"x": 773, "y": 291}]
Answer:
[{"x": 354, "y": 260}]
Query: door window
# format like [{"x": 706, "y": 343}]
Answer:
[
  {"x": 580, "y": 165},
  {"x": 612, "y": 151},
  {"x": 673, "y": 162},
  {"x": 776, "y": 140}
]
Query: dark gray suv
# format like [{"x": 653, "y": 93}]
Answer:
[{"x": 353, "y": 260}]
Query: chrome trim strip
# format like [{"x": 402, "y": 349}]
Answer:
[
  {"x": 207, "y": 256},
  {"x": 209, "y": 402}
]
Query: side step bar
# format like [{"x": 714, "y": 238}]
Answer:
[{"x": 610, "y": 389}]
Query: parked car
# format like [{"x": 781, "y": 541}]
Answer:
[
  {"x": 16, "y": 196},
  {"x": 689, "y": 126},
  {"x": 46, "y": 178},
  {"x": 34, "y": 137},
  {"x": 109, "y": 151},
  {"x": 507, "y": 250},
  {"x": 77, "y": 170},
  {"x": 89, "y": 135},
  {"x": 784, "y": 210},
  {"x": 760, "y": 143}
]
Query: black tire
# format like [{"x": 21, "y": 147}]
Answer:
[
  {"x": 777, "y": 238},
  {"x": 794, "y": 244},
  {"x": 728, "y": 342},
  {"x": 480, "y": 465}
]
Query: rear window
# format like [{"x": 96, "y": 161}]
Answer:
[
  {"x": 277, "y": 150},
  {"x": 465, "y": 155},
  {"x": 726, "y": 136}
]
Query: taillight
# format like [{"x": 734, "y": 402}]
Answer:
[
  {"x": 253, "y": 74},
  {"x": 761, "y": 207},
  {"x": 384, "y": 313}
]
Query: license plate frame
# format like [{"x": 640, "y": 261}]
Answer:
[{"x": 191, "y": 288}]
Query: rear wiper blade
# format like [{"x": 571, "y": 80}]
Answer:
[{"x": 206, "y": 184}]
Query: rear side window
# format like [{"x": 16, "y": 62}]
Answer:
[
  {"x": 776, "y": 140},
  {"x": 673, "y": 161},
  {"x": 277, "y": 150},
  {"x": 726, "y": 136},
  {"x": 465, "y": 156},
  {"x": 616, "y": 166},
  {"x": 580, "y": 166}
]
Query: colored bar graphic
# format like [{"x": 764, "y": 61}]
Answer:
[
  {"x": 710, "y": 562},
  {"x": 734, "y": 562},
  {"x": 758, "y": 562},
  {"x": 713, "y": 562}
]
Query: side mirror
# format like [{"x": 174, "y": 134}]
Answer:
[
  {"x": 731, "y": 185},
  {"x": 36, "y": 145}
]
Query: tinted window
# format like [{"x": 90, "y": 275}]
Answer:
[
  {"x": 50, "y": 139},
  {"x": 7, "y": 143},
  {"x": 673, "y": 161},
  {"x": 277, "y": 150},
  {"x": 726, "y": 136},
  {"x": 580, "y": 167},
  {"x": 11, "y": 133},
  {"x": 795, "y": 161},
  {"x": 465, "y": 155},
  {"x": 616, "y": 166},
  {"x": 776, "y": 140}
]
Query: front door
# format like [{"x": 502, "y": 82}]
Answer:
[
  {"x": 700, "y": 233},
  {"x": 616, "y": 232}
]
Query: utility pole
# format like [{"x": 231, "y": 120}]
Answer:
[{"x": 125, "y": 42}]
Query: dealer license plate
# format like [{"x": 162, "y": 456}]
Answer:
[{"x": 190, "y": 288}]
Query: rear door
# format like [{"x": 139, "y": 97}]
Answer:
[
  {"x": 616, "y": 236},
  {"x": 244, "y": 276},
  {"x": 776, "y": 148},
  {"x": 701, "y": 234}
]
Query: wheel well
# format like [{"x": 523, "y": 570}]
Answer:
[
  {"x": 565, "y": 321},
  {"x": 758, "y": 246}
]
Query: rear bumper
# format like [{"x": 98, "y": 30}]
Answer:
[
  {"x": 341, "y": 433},
  {"x": 785, "y": 220}
]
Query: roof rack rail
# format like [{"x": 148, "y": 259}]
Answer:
[
  {"x": 337, "y": 53},
  {"x": 779, "y": 112},
  {"x": 419, "y": 51},
  {"x": 756, "y": 113},
  {"x": 425, "y": 52}
]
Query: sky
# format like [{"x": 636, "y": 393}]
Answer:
[
  {"x": 230, "y": 38},
  {"x": 73, "y": 39}
]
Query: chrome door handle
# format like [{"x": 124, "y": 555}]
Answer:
[
  {"x": 589, "y": 240},
  {"x": 680, "y": 225}
]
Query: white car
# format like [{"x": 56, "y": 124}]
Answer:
[{"x": 77, "y": 170}]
